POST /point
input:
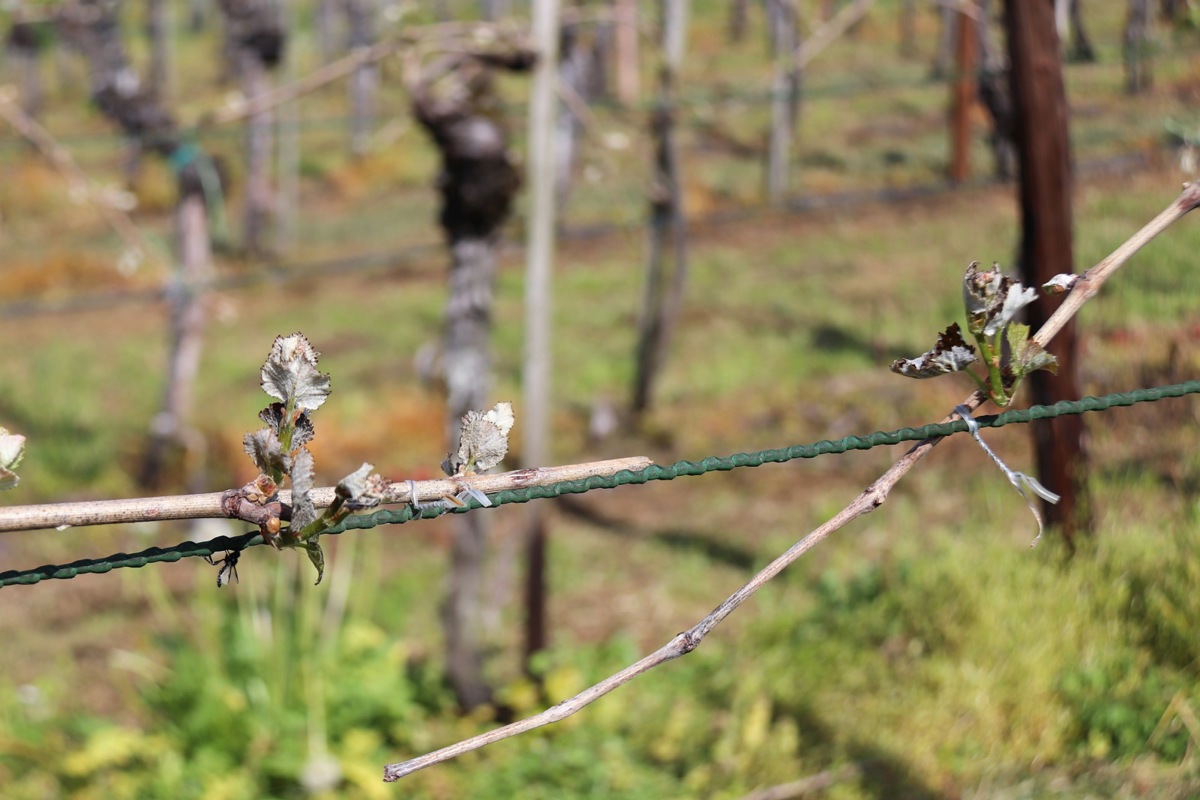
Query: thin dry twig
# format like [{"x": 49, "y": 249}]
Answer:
[
  {"x": 336, "y": 70},
  {"x": 805, "y": 786},
  {"x": 828, "y": 33},
  {"x": 76, "y": 178},
  {"x": 870, "y": 499},
  {"x": 211, "y": 505}
]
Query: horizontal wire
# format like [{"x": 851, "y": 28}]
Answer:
[{"x": 654, "y": 472}]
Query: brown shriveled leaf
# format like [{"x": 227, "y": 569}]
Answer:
[{"x": 950, "y": 354}]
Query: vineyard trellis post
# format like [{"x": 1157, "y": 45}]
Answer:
[
  {"x": 1044, "y": 162},
  {"x": 543, "y": 161},
  {"x": 963, "y": 95}
]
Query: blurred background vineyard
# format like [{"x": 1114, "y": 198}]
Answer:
[{"x": 925, "y": 652}]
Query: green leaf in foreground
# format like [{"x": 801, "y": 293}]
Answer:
[
  {"x": 317, "y": 556},
  {"x": 1026, "y": 355}
]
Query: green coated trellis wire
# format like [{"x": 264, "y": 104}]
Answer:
[{"x": 653, "y": 472}]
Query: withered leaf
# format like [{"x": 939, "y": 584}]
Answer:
[
  {"x": 290, "y": 373},
  {"x": 992, "y": 299},
  {"x": 950, "y": 354},
  {"x": 265, "y": 451},
  {"x": 483, "y": 442},
  {"x": 303, "y": 511}
]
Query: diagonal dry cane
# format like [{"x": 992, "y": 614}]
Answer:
[{"x": 870, "y": 499}]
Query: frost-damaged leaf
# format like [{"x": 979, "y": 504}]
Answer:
[
  {"x": 302, "y": 431},
  {"x": 1060, "y": 283},
  {"x": 1026, "y": 355},
  {"x": 1016, "y": 297},
  {"x": 273, "y": 416},
  {"x": 12, "y": 450},
  {"x": 950, "y": 354},
  {"x": 265, "y": 451},
  {"x": 303, "y": 511},
  {"x": 290, "y": 373},
  {"x": 354, "y": 485},
  {"x": 317, "y": 556},
  {"x": 992, "y": 299},
  {"x": 483, "y": 442}
]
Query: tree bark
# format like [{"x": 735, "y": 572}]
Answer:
[
  {"x": 576, "y": 74},
  {"x": 1081, "y": 45},
  {"x": 995, "y": 93},
  {"x": 93, "y": 28},
  {"x": 323, "y": 22},
  {"x": 908, "y": 28},
  {"x": 1137, "y": 47},
  {"x": 661, "y": 304},
  {"x": 158, "y": 29},
  {"x": 785, "y": 104},
  {"x": 365, "y": 80},
  {"x": 627, "y": 45},
  {"x": 1044, "y": 159},
  {"x": 23, "y": 46},
  {"x": 494, "y": 10},
  {"x": 478, "y": 183},
  {"x": 946, "y": 38},
  {"x": 739, "y": 13},
  {"x": 188, "y": 319},
  {"x": 256, "y": 32},
  {"x": 287, "y": 161}
]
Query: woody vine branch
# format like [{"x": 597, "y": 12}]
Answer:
[{"x": 871, "y": 498}]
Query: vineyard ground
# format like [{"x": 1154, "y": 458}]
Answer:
[
  {"x": 926, "y": 645},
  {"x": 932, "y": 643}
]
